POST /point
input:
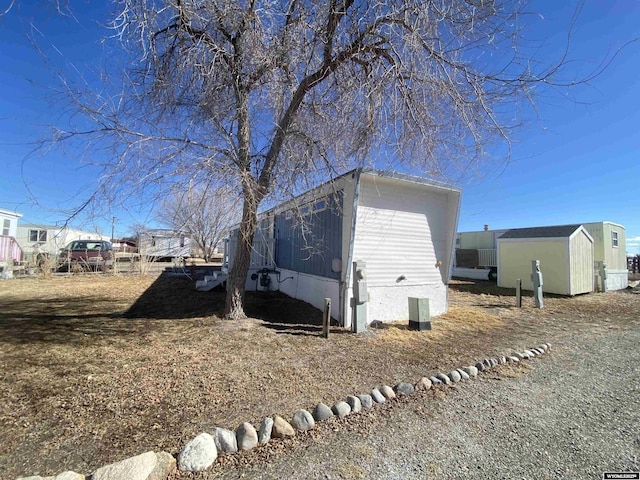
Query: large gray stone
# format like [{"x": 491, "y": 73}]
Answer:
[
  {"x": 377, "y": 396},
  {"x": 435, "y": 381},
  {"x": 166, "y": 466},
  {"x": 355, "y": 403},
  {"x": 199, "y": 454},
  {"x": 480, "y": 366},
  {"x": 443, "y": 378},
  {"x": 531, "y": 354},
  {"x": 464, "y": 375},
  {"x": 303, "y": 420},
  {"x": 502, "y": 360},
  {"x": 471, "y": 371},
  {"x": 134, "y": 468},
  {"x": 69, "y": 475},
  {"x": 487, "y": 363},
  {"x": 225, "y": 440},
  {"x": 493, "y": 362},
  {"x": 404, "y": 388},
  {"x": 454, "y": 375},
  {"x": 246, "y": 436},
  {"x": 322, "y": 412},
  {"x": 365, "y": 400},
  {"x": 341, "y": 409},
  {"x": 388, "y": 392},
  {"x": 264, "y": 431},
  {"x": 424, "y": 384},
  {"x": 282, "y": 428},
  {"x": 513, "y": 359}
]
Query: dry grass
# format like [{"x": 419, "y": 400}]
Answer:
[{"x": 97, "y": 368}]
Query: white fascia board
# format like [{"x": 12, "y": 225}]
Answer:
[{"x": 584, "y": 230}]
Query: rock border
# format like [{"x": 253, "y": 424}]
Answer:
[{"x": 201, "y": 452}]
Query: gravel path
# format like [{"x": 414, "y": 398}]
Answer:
[{"x": 573, "y": 414}]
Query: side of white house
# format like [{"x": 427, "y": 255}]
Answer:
[
  {"x": 163, "y": 243},
  {"x": 405, "y": 233}
]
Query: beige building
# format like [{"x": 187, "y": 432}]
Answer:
[
  {"x": 566, "y": 255},
  {"x": 609, "y": 246}
]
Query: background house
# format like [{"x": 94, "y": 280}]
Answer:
[
  {"x": 610, "y": 245},
  {"x": 565, "y": 253},
  {"x": 164, "y": 244},
  {"x": 10, "y": 251},
  {"x": 477, "y": 255},
  {"x": 403, "y": 228},
  {"x": 38, "y": 239}
]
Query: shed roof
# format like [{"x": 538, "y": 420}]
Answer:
[{"x": 554, "y": 231}]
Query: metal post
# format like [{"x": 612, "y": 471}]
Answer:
[
  {"x": 326, "y": 317},
  {"x": 519, "y": 293},
  {"x": 536, "y": 279}
]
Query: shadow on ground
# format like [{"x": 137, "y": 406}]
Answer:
[{"x": 168, "y": 302}]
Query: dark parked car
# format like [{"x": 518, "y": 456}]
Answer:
[{"x": 87, "y": 255}]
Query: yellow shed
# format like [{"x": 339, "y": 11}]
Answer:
[{"x": 565, "y": 253}]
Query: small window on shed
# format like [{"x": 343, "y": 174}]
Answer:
[
  {"x": 5, "y": 227},
  {"x": 614, "y": 239}
]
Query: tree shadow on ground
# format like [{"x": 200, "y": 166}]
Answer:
[{"x": 168, "y": 302}]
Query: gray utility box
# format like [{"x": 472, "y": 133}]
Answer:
[{"x": 419, "y": 314}]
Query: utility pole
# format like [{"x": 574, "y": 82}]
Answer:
[{"x": 113, "y": 223}]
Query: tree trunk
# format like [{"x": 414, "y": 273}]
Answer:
[{"x": 234, "y": 307}]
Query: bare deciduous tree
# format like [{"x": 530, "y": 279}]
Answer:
[
  {"x": 270, "y": 96},
  {"x": 204, "y": 213}
]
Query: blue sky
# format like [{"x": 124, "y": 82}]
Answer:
[{"x": 576, "y": 161}]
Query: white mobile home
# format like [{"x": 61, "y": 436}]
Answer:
[
  {"x": 565, "y": 253},
  {"x": 402, "y": 227},
  {"x": 164, "y": 244},
  {"x": 48, "y": 240}
]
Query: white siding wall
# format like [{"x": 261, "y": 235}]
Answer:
[
  {"x": 403, "y": 231},
  {"x": 311, "y": 289}
]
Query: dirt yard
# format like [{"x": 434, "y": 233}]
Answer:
[{"x": 94, "y": 369}]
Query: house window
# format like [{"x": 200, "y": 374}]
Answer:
[
  {"x": 320, "y": 206},
  {"x": 5, "y": 227},
  {"x": 37, "y": 235},
  {"x": 614, "y": 239}
]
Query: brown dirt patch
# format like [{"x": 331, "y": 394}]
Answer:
[{"x": 95, "y": 369}]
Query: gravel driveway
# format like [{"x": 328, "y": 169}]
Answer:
[{"x": 574, "y": 413}]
